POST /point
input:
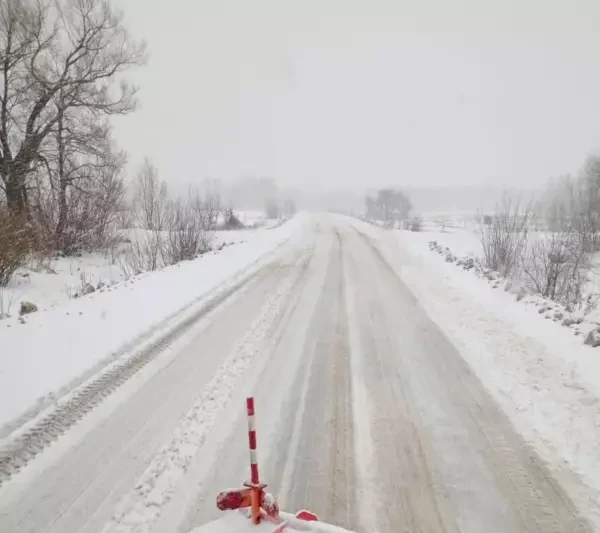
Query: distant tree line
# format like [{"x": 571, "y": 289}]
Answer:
[{"x": 388, "y": 205}]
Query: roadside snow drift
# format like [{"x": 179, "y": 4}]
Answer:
[
  {"x": 53, "y": 351},
  {"x": 541, "y": 375}
]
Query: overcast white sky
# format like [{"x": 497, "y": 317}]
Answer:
[{"x": 364, "y": 93}]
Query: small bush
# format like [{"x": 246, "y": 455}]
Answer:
[
  {"x": 415, "y": 223},
  {"x": 505, "y": 240},
  {"x": 16, "y": 238},
  {"x": 232, "y": 222},
  {"x": 272, "y": 210}
]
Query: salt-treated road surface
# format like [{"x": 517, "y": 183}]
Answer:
[{"x": 366, "y": 415}]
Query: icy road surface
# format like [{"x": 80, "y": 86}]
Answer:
[{"x": 366, "y": 415}]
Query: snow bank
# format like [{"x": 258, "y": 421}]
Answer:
[
  {"x": 57, "y": 281},
  {"x": 61, "y": 279},
  {"x": 542, "y": 375},
  {"x": 48, "y": 354}
]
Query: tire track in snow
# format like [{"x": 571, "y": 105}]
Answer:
[
  {"x": 139, "y": 510},
  {"x": 17, "y": 454},
  {"x": 273, "y": 383},
  {"x": 342, "y": 498},
  {"x": 407, "y": 495},
  {"x": 489, "y": 475},
  {"x": 316, "y": 467}
]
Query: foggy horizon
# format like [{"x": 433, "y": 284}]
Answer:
[{"x": 343, "y": 95}]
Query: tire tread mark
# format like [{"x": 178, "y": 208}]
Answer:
[{"x": 48, "y": 429}]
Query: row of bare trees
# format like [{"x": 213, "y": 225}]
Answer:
[
  {"x": 62, "y": 77},
  {"x": 62, "y": 67},
  {"x": 169, "y": 229},
  {"x": 549, "y": 244}
]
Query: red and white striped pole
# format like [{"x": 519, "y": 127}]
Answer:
[
  {"x": 253, "y": 495},
  {"x": 256, "y": 489},
  {"x": 252, "y": 441}
]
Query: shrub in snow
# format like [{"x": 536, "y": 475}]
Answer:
[
  {"x": 231, "y": 220},
  {"x": 557, "y": 265},
  {"x": 568, "y": 313},
  {"x": 491, "y": 275},
  {"x": 467, "y": 263},
  {"x": 88, "y": 288},
  {"x": 521, "y": 293},
  {"x": 504, "y": 240},
  {"x": 415, "y": 223},
  {"x": 27, "y": 307},
  {"x": 550, "y": 309},
  {"x": 16, "y": 240},
  {"x": 434, "y": 246},
  {"x": 593, "y": 338}
]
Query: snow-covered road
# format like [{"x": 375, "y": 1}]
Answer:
[{"x": 366, "y": 414}]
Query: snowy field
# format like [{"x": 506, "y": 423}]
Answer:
[
  {"x": 54, "y": 281},
  {"x": 542, "y": 375},
  {"x": 71, "y": 336}
]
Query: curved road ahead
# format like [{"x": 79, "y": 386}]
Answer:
[{"x": 366, "y": 414}]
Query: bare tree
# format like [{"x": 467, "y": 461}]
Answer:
[
  {"x": 208, "y": 207},
  {"x": 289, "y": 208},
  {"x": 172, "y": 229},
  {"x": 79, "y": 189},
  {"x": 558, "y": 263},
  {"x": 504, "y": 240},
  {"x": 150, "y": 198},
  {"x": 371, "y": 208},
  {"x": 272, "y": 210},
  {"x": 587, "y": 199},
  {"x": 415, "y": 223},
  {"x": 186, "y": 236},
  {"x": 390, "y": 205},
  {"x": 152, "y": 212},
  {"x": 54, "y": 57}
]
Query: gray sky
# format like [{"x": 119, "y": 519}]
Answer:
[{"x": 363, "y": 93}]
